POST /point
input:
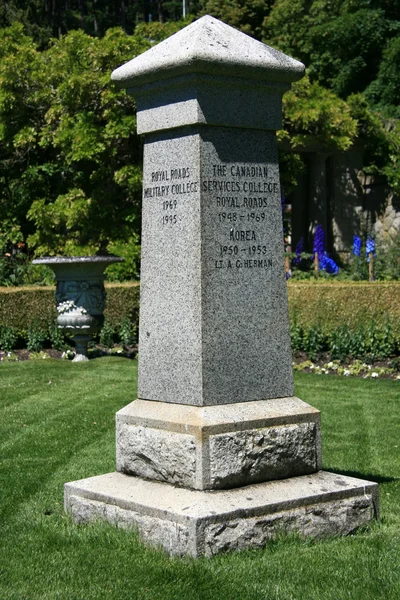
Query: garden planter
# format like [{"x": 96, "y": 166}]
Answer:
[{"x": 80, "y": 295}]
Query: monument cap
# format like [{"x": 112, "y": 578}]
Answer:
[{"x": 208, "y": 46}]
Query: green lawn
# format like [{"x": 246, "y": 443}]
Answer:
[{"x": 57, "y": 425}]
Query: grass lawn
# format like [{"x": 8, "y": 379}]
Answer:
[{"x": 57, "y": 425}]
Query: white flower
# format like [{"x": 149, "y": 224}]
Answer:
[
  {"x": 397, "y": 376},
  {"x": 374, "y": 374},
  {"x": 330, "y": 365},
  {"x": 312, "y": 366},
  {"x": 346, "y": 372},
  {"x": 69, "y": 306}
]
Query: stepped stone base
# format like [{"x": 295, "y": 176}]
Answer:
[
  {"x": 195, "y": 523},
  {"x": 218, "y": 447}
]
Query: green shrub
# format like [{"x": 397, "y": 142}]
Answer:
[
  {"x": 387, "y": 262},
  {"x": 368, "y": 343},
  {"x": 297, "y": 336},
  {"x": 122, "y": 301},
  {"x": 20, "y": 305},
  {"x": 107, "y": 335},
  {"x": 315, "y": 342},
  {"x": 382, "y": 341},
  {"x": 37, "y": 335},
  {"x": 127, "y": 332},
  {"x": 57, "y": 338},
  {"x": 356, "y": 319},
  {"x": 340, "y": 343},
  {"x": 8, "y": 338}
]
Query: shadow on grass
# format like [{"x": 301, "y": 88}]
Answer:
[{"x": 367, "y": 476}]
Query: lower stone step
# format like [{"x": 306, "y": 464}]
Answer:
[{"x": 195, "y": 523}]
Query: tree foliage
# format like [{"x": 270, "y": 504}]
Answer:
[
  {"x": 312, "y": 116},
  {"x": 70, "y": 158},
  {"x": 312, "y": 112},
  {"x": 384, "y": 91},
  {"x": 246, "y": 15},
  {"x": 340, "y": 41},
  {"x": 46, "y": 19}
]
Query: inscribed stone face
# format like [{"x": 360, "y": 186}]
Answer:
[{"x": 214, "y": 316}]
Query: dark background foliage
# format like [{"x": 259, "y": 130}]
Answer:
[{"x": 70, "y": 158}]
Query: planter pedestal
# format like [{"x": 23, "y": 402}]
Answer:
[{"x": 80, "y": 295}]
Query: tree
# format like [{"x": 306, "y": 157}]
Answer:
[
  {"x": 48, "y": 19},
  {"x": 312, "y": 114},
  {"x": 340, "y": 42},
  {"x": 246, "y": 15},
  {"x": 19, "y": 113},
  {"x": 70, "y": 158},
  {"x": 345, "y": 52},
  {"x": 384, "y": 91}
]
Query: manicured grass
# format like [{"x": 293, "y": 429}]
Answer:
[{"x": 57, "y": 425}]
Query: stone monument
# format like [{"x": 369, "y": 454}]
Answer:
[{"x": 216, "y": 453}]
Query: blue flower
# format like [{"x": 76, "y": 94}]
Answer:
[
  {"x": 357, "y": 245},
  {"x": 328, "y": 264},
  {"x": 319, "y": 241}
]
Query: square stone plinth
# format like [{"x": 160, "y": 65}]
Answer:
[
  {"x": 217, "y": 447},
  {"x": 195, "y": 523}
]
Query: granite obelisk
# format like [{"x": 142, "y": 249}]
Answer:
[{"x": 216, "y": 453}]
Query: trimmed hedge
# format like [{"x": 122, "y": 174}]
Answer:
[
  {"x": 327, "y": 305},
  {"x": 122, "y": 301},
  {"x": 331, "y": 305},
  {"x": 21, "y": 306}
]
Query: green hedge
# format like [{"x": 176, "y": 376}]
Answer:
[
  {"x": 331, "y": 305},
  {"x": 21, "y": 306},
  {"x": 311, "y": 304}
]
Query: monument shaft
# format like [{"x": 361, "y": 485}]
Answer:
[{"x": 214, "y": 324}]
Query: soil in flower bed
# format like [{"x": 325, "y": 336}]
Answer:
[
  {"x": 388, "y": 368},
  {"x": 96, "y": 351}
]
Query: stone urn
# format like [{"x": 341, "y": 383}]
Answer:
[{"x": 80, "y": 295}]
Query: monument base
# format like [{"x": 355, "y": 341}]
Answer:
[
  {"x": 219, "y": 446},
  {"x": 195, "y": 523}
]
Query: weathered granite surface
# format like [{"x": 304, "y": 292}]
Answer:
[
  {"x": 205, "y": 46},
  {"x": 207, "y": 522},
  {"x": 212, "y": 74},
  {"x": 218, "y": 446},
  {"x": 214, "y": 324}
]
